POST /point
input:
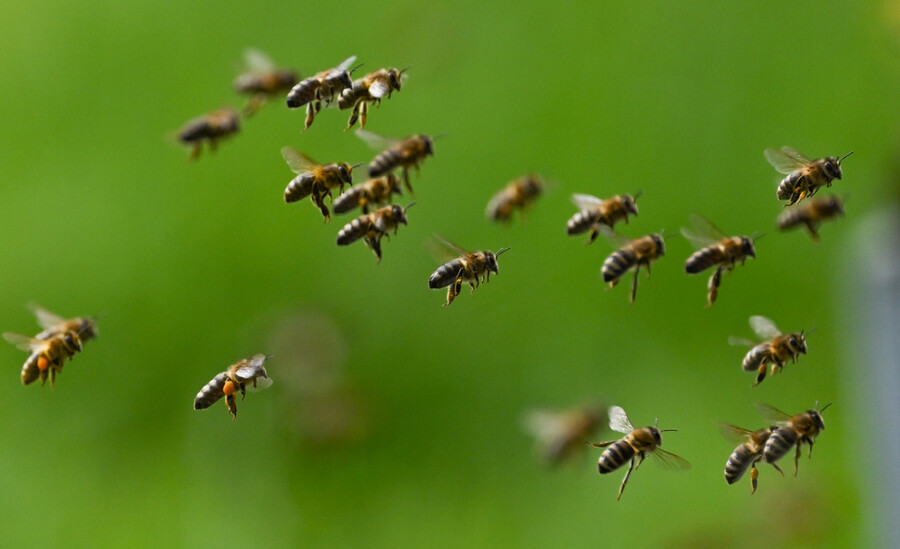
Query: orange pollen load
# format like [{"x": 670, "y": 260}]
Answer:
[
  {"x": 42, "y": 363},
  {"x": 228, "y": 388}
]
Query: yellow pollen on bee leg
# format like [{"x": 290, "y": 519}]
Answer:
[
  {"x": 228, "y": 388},
  {"x": 42, "y": 363}
]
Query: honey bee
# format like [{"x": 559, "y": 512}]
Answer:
[
  {"x": 47, "y": 355},
  {"x": 262, "y": 80},
  {"x": 314, "y": 180},
  {"x": 635, "y": 445},
  {"x": 715, "y": 249},
  {"x": 804, "y": 176},
  {"x": 561, "y": 434},
  {"x": 371, "y": 88},
  {"x": 325, "y": 87},
  {"x": 518, "y": 194},
  {"x": 375, "y": 191},
  {"x": 776, "y": 351},
  {"x": 371, "y": 227},
  {"x": 244, "y": 374},
  {"x": 594, "y": 213},
  {"x": 470, "y": 267},
  {"x": 811, "y": 214},
  {"x": 791, "y": 431},
  {"x": 53, "y": 324},
  {"x": 209, "y": 127},
  {"x": 634, "y": 254},
  {"x": 747, "y": 454},
  {"x": 404, "y": 154}
]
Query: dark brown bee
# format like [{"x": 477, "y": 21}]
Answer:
[
  {"x": 470, "y": 267},
  {"x": 47, "y": 355},
  {"x": 262, "y": 80},
  {"x": 371, "y": 227},
  {"x": 792, "y": 431},
  {"x": 747, "y": 454},
  {"x": 811, "y": 214},
  {"x": 635, "y": 254},
  {"x": 804, "y": 176},
  {"x": 594, "y": 213},
  {"x": 324, "y": 87},
  {"x": 371, "y": 88},
  {"x": 314, "y": 180},
  {"x": 714, "y": 249},
  {"x": 405, "y": 154},
  {"x": 518, "y": 194},
  {"x": 246, "y": 373},
  {"x": 561, "y": 434},
  {"x": 777, "y": 350},
  {"x": 635, "y": 445},
  {"x": 209, "y": 127},
  {"x": 375, "y": 191}
]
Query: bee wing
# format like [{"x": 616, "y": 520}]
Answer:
[
  {"x": 451, "y": 246},
  {"x": 379, "y": 89},
  {"x": 764, "y": 327},
  {"x": 786, "y": 160},
  {"x": 773, "y": 414},
  {"x": 670, "y": 461},
  {"x": 24, "y": 343},
  {"x": 586, "y": 201},
  {"x": 703, "y": 233},
  {"x": 257, "y": 61},
  {"x": 376, "y": 141},
  {"x": 297, "y": 161},
  {"x": 734, "y": 433},
  {"x": 45, "y": 318},
  {"x": 346, "y": 64},
  {"x": 740, "y": 341},
  {"x": 544, "y": 425},
  {"x": 618, "y": 420}
]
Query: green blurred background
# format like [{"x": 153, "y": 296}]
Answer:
[{"x": 394, "y": 421}]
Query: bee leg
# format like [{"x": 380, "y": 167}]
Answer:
[
  {"x": 472, "y": 286},
  {"x": 797, "y": 459},
  {"x": 310, "y": 115},
  {"x": 813, "y": 231},
  {"x": 593, "y": 237},
  {"x": 354, "y": 115},
  {"x": 406, "y": 179},
  {"x": 762, "y": 374},
  {"x": 232, "y": 406},
  {"x": 777, "y": 468},
  {"x": 453, "y": 291},
  {"x": 634, "y": 284},
  {"x": 625, "y": 480},
  {"x": 375, "y": 244},
  {"x": 362, "y": 114},
  {"x": 754, "y": 474},
  {"x": 195, "y": 151},
  {"x": 713, "y": 286},
  {"x": 810, "y": 447}
]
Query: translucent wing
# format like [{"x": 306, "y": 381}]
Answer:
[
  {"x": 261, "y": 383},
  {"x": 346, "y": 64},
  {"x": 379, "y": 89},
  {"x": 452, "y": 246},
  {"x": 24, "y": 343},
  {"x": 376, "y": 141},
  {"x": 544, "y": 425},
  {"x": 253, "y": 368},
  {"x": 257, "y": 61},
  {"x": 586, "y": 201},
  {"x": 773, "y": 414},
  {"x": 297, "y": 161},
  {"x": 669, "y": 461},
  {"x": 618, "y": 420},
  {"x": 786, "y": 160},
  {"x": 45, "y": 318},
  {"x": 764, "y": 327},
  {"x": 703, "y": 233},
  {"x": 734, "y": 433},
  {"x": 741, "y": 341}
]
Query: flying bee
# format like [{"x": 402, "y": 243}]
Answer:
[
  {"x": 561, "y": 434},
  {"x": 811, "y": 214},
  {"x": 375, "y": 191},
  {"x": 371, "y": 88},
  {"x": 209, "y": 127},
  {"x": 633, "y": 254},
  {"x": 262, "y": 80},
  {"x": 244, "y": 374},
  {"x": 53, "y": 324},
  {"x": 747, "y": 454},
  {"x": 714, "y": 249},
  {"x": 314, "y": 180},
  {"x": 405, "y": 154},
  {"x": 518, "y": 194},
  {"x": 325, "y": 87},
  {"x": 791, "y": 431},
  {"x": 371, "y": 227},
  {"x": 635, "y": 445},
  {"x": 776, "y": 351},
  {"x": 48, "y": 355},
  {"x": 804, "y": 176},
  {"x": 594, "y": 213},
  {"x": 473, "y": 268}
]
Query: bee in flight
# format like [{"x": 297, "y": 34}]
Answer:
[
  {"x": 371, "y": 88},
  {"x": 324, "y": 87},
  {"x": 777, "y": 350},
  {"x": 375, "y": 191},
  {"x": 633, "y": 254},
  {"x": 714, "y": 249},
  {"x": 748, "y": 453},
  {"x": 634, "y": 446},
  {"x": 561, "y": 434},
  {"x": 811, "y": 214},
  {"x": 473, "y": 268},
  {"x": 244, "y": 374},
  {"x": 373, "y": 226},
  {"x": 803, "y": 177},
  {"x": 791, "y": 431},
  {"x": 518, "y": 194},
  {"x": 404, "y": 154},
  {"x": 262, "y": 80},
  {"x": 594, "y": 213},
  {"x": 210, "y": 128},
  {"x": 314, "y": 180}
]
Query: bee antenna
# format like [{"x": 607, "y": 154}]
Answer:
[
  {"x": 757, "y": 236},
  {"x": 823, "y": 408},
  {"x": 411, "y": 204},
  {"x": 811, "y": 330},
  {"x": 351, "y": 71},
  {"x": 638, "y": 195},
  {"x": 358, "y": 164},
  {"x": 436, "y": 137},
  {"x": 406, "y": 68},
  {"x": 667, "y": 430},
  {"x": 843, "y": 157},
  {"x": 500, "y": 251}
]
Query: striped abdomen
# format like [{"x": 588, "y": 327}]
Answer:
[
  {"x": 618, "y": 263},
  {"x": 269, "y": 83},
  {"x": 740, "y": 460},
  {"x": 616, "y": 455},
  {"x": 582, "y": 221},
  {"x": 300, "y": 187},
  {"x": 302, "y": 93},
  {"x": 790, "y": 182},
  {"x": 351, "y": 95},
  {"x": 780, "y": 442},
  {"x": 447, "y": 273},
  {"x": 756, "y": 357},
  {"x": 211, "y": 392},
  {"x": 704, "y": 258},
  {"x": 30, "y": 370},
  {"x": 409, "y": 152},
  {"x": 353, "y": 231}
]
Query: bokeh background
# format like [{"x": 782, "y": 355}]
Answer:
[{"x": 394, "y": 421}]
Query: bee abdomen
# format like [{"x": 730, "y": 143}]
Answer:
[
  {"x": 211, "y": 392},
  {"x": 30, "y": 370},
  {"x": 350, "y": 96},
  {"x": 346, "y": 201},
  {"x": 755, "y": 357},
  {"x": 580, "y": 222},
  {"x": 738, "y": 463},
  {"x": 302, "y": 93},
  {"x": 299, "y": 188},
  {"x": 445, "y": 274},
  {"x": 353, "y": 231},
  {"x": 617, "y": 263},
  {"x": 383, "y": 163},
  {"x": 787, "y": 185},
  {"x": 615, "y": 456},
  {"x": 703, "y": 259},
  {"x": 779, "y": 442}
]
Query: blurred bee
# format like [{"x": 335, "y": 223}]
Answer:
[
  {"x": 262, "y": 80},
  {"x": 369, "y": 89},
  {"x": 53, "y": 324},
  {"x": 635, "y": 445},
  {"x": 747, "y": 454},
  {"x": 314, "y": 180},
  {"x": 325, "y": 87},
  {"x": 371, "y": 227},
  {"x": 47, "y": 355},
  {"x": 791, "y": 431},
  {"x": 776, "y": 351},
  {"x": 804, "y": 176},
  {"x": 594, "y": 213},
  {"x": 375, "y": 191},
  {"x": 811, "y": 214},
  {"x": 560, "y": 435},
  {"x": 715, "y": 249},
  {"x": 209, "y": 127},
  {"x": 473, "y": 268},
  {"x": 518, "y": 194},
  {"x": 246, "y": 373},
  {"x": 633, "y": 254},
  {"x": 404, "y": 154}
]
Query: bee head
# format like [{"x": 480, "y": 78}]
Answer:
[
  {"x": 399, "y": 213},
  {"x": 747, "y": 246},
  {"x": 797, "y": 343},
  {"x": 816, "y": 416},
  {"x": 394, "y": 78},
  {"x": 429, "y": 144},
  {"x": 346, "y": 171},
  {"x": 835, "y": 205},
  {"x": 394, "y": 183},
  {"x": 630, "y": 203},
  {"x": 660, "y": 243},
  {"x": 491, "y": 260}
]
